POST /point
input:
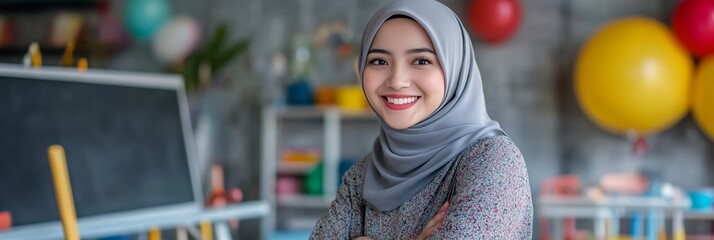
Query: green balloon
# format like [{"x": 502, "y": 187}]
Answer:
[{"x": 143, "y": 18}]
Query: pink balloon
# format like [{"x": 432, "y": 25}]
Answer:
[{"x": 176, "y": 39}]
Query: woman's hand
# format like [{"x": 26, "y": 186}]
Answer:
[
  {"x": 434, "y": 223},
  {"x": 430, "y": 227}
]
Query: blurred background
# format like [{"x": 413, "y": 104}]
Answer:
[{"x": 609, "y": 101}]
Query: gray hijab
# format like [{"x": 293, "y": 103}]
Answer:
[{"x": 404, "y": 161}]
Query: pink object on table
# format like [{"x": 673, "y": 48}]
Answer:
[
  {"x": 564, "y": 185},
  {"x": 625, "y": 182}
]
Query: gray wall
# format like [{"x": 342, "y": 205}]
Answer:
[{"x": 528, "y": 82}]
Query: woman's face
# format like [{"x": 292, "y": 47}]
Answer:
[{"x": 403, "y": 79}]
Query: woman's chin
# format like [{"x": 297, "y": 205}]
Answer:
[{"x": 398, "y": 124}]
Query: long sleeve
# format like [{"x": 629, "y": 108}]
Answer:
[
  {"x": 492, "y": 199},
  {"x": 345, "y": 218}
]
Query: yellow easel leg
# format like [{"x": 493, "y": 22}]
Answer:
[
  {"x": 154, "y": 233},
  {"x": 206, "y": 230},
  {"x": 63, "y": 192}
]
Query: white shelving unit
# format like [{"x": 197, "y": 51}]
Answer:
[{"x": 331, "y": 119}]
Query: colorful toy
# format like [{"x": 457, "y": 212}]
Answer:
[
  {"x": 219, "y": 198},
  {"x": 5, "y": 221},
  {"x": 82, "y": 65},
  {"x": 33, "y": 57},
  {"x": 218, "y": 192},
  {"x": 68, "y": 55}
]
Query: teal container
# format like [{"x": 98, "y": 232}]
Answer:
[{"x": 701, "y": 199}]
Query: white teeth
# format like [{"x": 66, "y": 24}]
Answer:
[{"x": 400, "y": 101}]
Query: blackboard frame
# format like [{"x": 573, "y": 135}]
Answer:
[{"x": 89, "y": 225}]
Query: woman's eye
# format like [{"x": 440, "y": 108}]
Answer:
[
  {"x": 378, "y": 62},
  {"x": 422, "y": 62}
]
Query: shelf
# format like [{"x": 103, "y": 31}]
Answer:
[
  {"x": 304, "y": 201},
  {"x": 295, "y": 168},
  {"x": 332, "y": 120},
  {"x": 94, "y": 229},
  {"x": 318, "y": 112}
]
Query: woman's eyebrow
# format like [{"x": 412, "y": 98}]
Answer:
[
  {"x": 410, "y": 51},
  {"x": 378, "y": 50},
  {"x": 421, "y": 50}
]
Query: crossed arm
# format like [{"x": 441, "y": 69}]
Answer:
[
  {"x": 492, "y": 198},
  {"x": 492, "y": 201}
]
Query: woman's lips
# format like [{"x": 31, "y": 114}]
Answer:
[{"x": 399, "y": 102}]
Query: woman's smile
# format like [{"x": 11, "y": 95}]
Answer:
[{"x": 399, "y": 102}]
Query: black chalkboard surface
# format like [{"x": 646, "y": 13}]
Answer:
[{"x": 125, "y": 146}]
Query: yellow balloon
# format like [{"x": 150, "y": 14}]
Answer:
[
  {"x": 633, "y": 76},
  {"x": 703, "y": 96}
]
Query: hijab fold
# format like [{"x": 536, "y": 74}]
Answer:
[{"x": 404, "y": 161}]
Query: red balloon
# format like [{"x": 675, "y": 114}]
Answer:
[
  {"x": 693, "y": 22},
  {"x": 494, "y": 20}
]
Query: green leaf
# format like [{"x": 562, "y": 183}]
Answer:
[
  {"x": 217, "y": 40},
  {"x": 230, "y": 54},
  {"x": 190, "y": 73}
]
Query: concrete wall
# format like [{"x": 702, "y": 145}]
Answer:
[{"x": 528, "y": 81}]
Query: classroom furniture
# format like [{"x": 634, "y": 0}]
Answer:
[
  {"x": 130, "y": 153},
  {"x": 90, "y": 228},
  {"x": 333, "y": 130},
  {"x": 607, "y": 211}
]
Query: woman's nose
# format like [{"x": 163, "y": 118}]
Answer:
[{"x": 399, "y": 78}]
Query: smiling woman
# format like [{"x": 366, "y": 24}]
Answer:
[
  {"x": 403, "y": 79},
  {"x": 440, "y": 166}
]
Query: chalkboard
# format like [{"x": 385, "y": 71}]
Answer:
[{"x": 124, "y": 145}]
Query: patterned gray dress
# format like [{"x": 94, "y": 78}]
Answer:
[{"x": 487, "y": 185}]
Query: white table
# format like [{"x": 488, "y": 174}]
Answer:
[{"x": 556, "y": 208}]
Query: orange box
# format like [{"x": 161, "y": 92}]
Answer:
[
  {"x": 301, "y": 155},
  {"x": 325, "y": 95}
]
